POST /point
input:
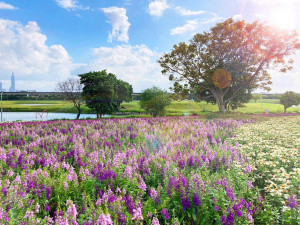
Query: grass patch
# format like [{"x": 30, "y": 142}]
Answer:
[{"x": 177, "y": 108}]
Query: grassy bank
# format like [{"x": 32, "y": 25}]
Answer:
[{"x": 177, "y": 108}]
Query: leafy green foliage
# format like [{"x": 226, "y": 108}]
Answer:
[
  {"x": 154, "y": 101},
  {"x": 257, "y": 96},
  {"x": 103, "y": 92},
  {"x": 246, "y": 51},
  {"x": 289, "y": 99}
]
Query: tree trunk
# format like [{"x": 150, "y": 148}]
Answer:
[
  {"x": 221, "y": 103},
  {"x": 285, "y": 109},
  {"x": 78, "y": 114},
  {"x": 98, "y": 117}
]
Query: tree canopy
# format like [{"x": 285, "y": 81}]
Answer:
[
  {"x": 154, "y": 100},
  {"x": 257, "y": 96},
  {"x": 72, "y": 89},
  {"x": 103, "y": 92},
  {"x": 231, "y": 59},
  {"x": 289, "y": 99}
]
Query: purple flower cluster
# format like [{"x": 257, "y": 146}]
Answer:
[{"x": 124, "y": 170}]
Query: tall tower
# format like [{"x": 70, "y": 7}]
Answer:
[{"x": 13, "y": 85}]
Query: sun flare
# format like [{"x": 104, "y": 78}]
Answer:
[{"x": 283, "y": 18}]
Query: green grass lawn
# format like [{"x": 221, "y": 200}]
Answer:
[{"x": 177, "y": 108}]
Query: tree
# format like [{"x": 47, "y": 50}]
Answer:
[
  {"x": 72, "y": 89},
  {"x": 103, "y": 92},
  {"x": 231, "y": 57},
  {"x": 257, "y": 96},
  {"x": 289, "y": 99},
  {"x": 154, "y": 101}
]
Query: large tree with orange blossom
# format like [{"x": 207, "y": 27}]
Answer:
[{"x": 232, "y": 57}]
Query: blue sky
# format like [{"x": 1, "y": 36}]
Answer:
[{"x": 45, "y": 41}]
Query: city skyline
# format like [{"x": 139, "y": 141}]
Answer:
[{"x": 124, "y": 37}]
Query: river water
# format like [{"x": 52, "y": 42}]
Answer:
[{"x": 32, "y": 116}]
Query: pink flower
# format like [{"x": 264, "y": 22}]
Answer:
[
  {"x": 66, "y": 185},
  {"x": 37, "y": 208},
  {"x": 10, "y": 173},
  {"x": 250, "y": 185},
  {"x": 248, "y": 169},
  {"x": 137, "y": 214},
  {"x": 104, "y": 219},
  {"x": 71, "y": 212},
  {"x": 155, "y": 221},
  {"x": 152, "y": 193},
  {"x": 249, "y": 217},
  {"x": 142, "y": 186},
  {"x": 128, "y": 172}
]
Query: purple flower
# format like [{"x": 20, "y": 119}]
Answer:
[
  {"x": 4, "y": 191},
  {"x": 229, "y": 220},
  {"x": 196, "y": 199},
  {"x": 292, "y": 202},
  {"x": 230, "y": 194},
  {"x": 47, "y": 208},
  {"x": 152, "y": 193},
  {"x": 165, "y": 213},
  {"x": 247, "y": 169},
  {"x": 185, "y": 202},
  {"x": 121, "y": 219},
  {"x": 129, "y": 204},
  {"x": 181, "y": 164}
]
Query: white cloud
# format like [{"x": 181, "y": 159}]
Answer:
[
  {"x": 134, "y": 64},
  {"x": 157, "y": 7},
  {"x": 4, "y": 5},
  {"x": 192, "y": 25},
  {"x": 71, "y": 5},
  {"x": 119, "y": 21},
  {"x": 186, "y": 12},
  {"x": 24, "y": 49}
]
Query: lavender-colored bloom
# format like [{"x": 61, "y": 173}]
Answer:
[
  {"x": 152, "y": 193},
  {"x": 155, "y": 221},
  {"x": 250, "y": 185},
  {"x": 142, "y": 185},
  {"x": 292, "y": 202},
  {"x": 137, "y": 214},
  {"x": 165, "y": 214},
  {"x": 104, "y": 219},
  {"x": 247, "y": 169}
]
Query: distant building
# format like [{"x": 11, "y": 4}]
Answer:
[{"x": 13, "y": 85}]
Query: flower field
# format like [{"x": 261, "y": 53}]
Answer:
[
  {"x": 273, "y": 148},
  {"x": 149, "y": 171}
]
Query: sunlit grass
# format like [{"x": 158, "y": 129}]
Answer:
[{"x": 176, "y": 108}]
